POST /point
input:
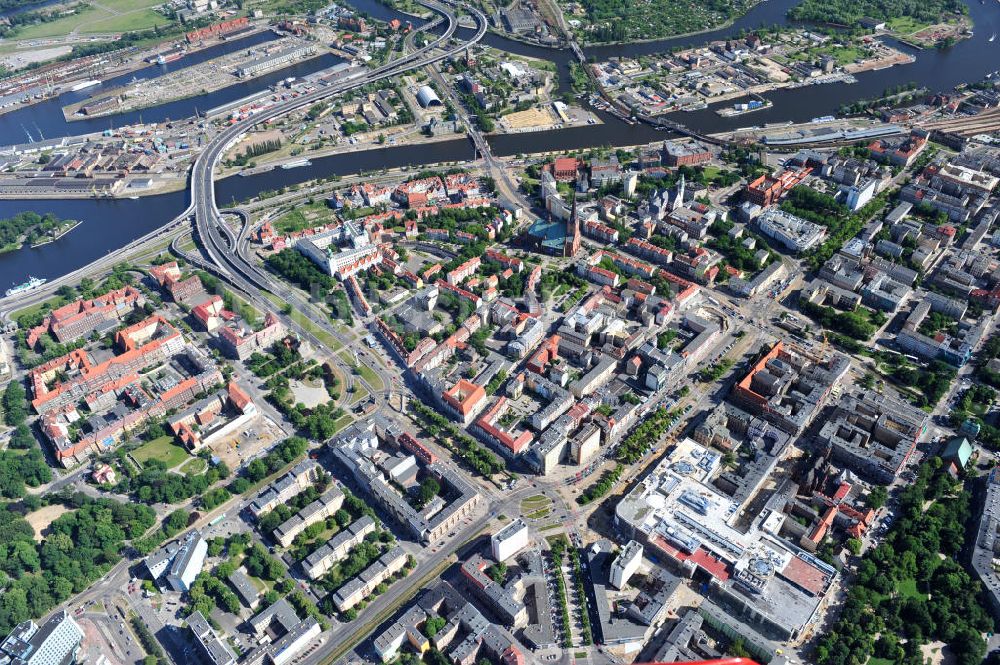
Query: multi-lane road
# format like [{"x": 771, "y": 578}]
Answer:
[{"x": 226, "y": 253}]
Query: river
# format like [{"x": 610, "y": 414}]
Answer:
[
  {"x": 46, "y": 119},
  {"x": 121, "y": 221}
]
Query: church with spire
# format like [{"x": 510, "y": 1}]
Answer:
[
  {"x": 572, "y": 244},
  {"x": 678, "y": 201}
]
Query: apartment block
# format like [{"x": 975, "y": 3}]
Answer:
[
  {"x": 337, "y": 548},
  {"x": 301, "y": 476},
  {"x": 364, "y": 584},
  {"x": 323, "y": 507},
  {"x": 873, "y": 434}
]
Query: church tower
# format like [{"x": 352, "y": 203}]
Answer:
[
  {"x": 679, "y": 195},
  {"x": 572, "y": 244}
]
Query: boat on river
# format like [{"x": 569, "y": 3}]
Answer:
[{"x": 32, "y": 283}]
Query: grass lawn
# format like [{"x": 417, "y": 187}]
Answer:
[
  {"x": 54, "y": 302},
  {"x": 163, "y": 449},
  {"x": 908, "y": 589},
  {"x": 880, "y": 661},
  {"x": 303, "y": 217},
  {"x": 358, "y": 395},
  {"x": 194, "y": 466},
  {"x": 536, "y": 506},
  {"x": 322, "y": 335},
  {"x": 366, "y": 372},
  {"x": 290, "y": 222},
  {"x": 905, "y": 25},
  {"x": 842, "y": 54},
  {"x": 341, "y": 423},
  {"x": 142, "y": 19},
  {"x": 369, "y": 375},
  {"x": 110, "y": 16}
]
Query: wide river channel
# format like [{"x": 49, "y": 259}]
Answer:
[{"x": 111, "y": 224}]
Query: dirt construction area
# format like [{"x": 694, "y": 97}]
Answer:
[
  {"x": 534, "y": 118},
  {"x": 258, "y": 436}
]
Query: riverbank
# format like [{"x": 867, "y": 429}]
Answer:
[
  {"x": 121, "y": 221},
  {"x": 78, "y": 189},
  {"x": 268, "y": 162},
  {"x": 244, "y": 66},
  {"x": 56, "y": 235},
  {"x": 55, "y": 83},
  {"x": 29, "y": 229}
]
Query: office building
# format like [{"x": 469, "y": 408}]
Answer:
[
  {"x": 55, "y": 642},
  {"x": 626, "y": 564},
  {"x": 509, "y": 540},
  {"x": 187, "y": 562}
]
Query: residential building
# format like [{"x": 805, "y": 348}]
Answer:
[
  {"x": 86, "y": 317},
  {"x": 986, "y": 548},
  {"x": 241, "y": 342},
  {"x": 685, "y": 153},
  {"x": 794, "y": 233},
  {"x": 325, "y": 506},
  {"x": 364, "y": 584},
  {"x": 211, "y": 647},
  {"x": 337, "y": 548},
  {"x": 301, "y": 476},
  {"x": 788, "y": 387},
  {"x": 357, "y": 448}
]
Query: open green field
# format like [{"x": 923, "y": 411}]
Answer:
[
  {"x": 103, "y": 17},
  {"x": 843, "y": 54},
  {"x": 908, "y": 589},
  {"x": 163, "y": 449},
  {"x": 194, "y": 466},
  {"x": 905, "y": 25},
  {"x": 303, "y": 217}
]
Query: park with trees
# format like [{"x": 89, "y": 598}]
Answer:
[{"x": 911, "y": 590}]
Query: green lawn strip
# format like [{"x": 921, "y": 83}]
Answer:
[
  {"x": 369, "y": 375},
  {"x": 53, "y": 302},
  {"x": 328, "y": 339},
  {"x": 358, "y": 395},
  {"x": 366, "y": 372},
  {"x": 342, "y": 422}
]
